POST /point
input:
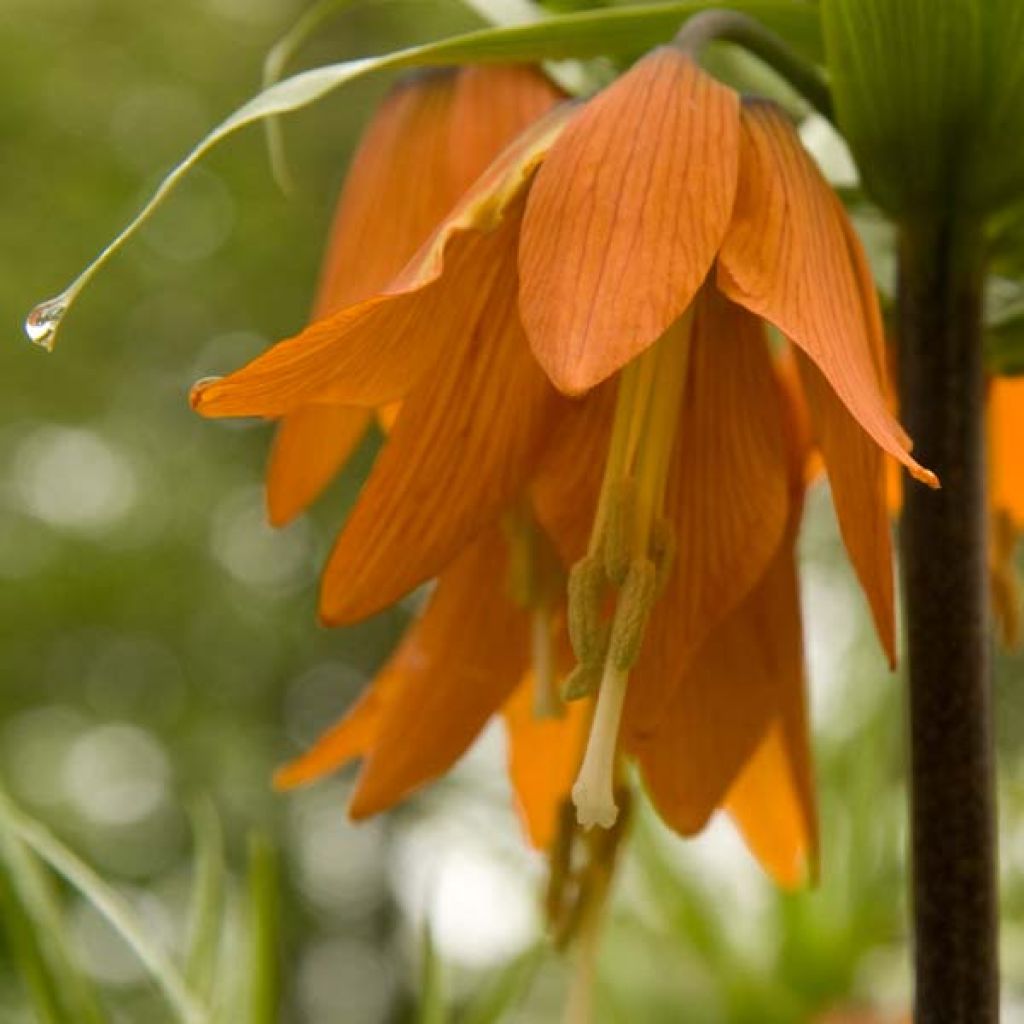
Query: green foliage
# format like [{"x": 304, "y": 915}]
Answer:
[
  {"x": 931, "y": 98},
  {"x": 431, "y": 997},
  {"x": 203, "y": 991},
  {"x": 262, "y": 929}
]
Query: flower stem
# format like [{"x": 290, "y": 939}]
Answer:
[
  {"x": 944, "y": 546},
  {"x": 743, "y": 31}
]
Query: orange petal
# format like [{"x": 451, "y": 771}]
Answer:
[
  {"x": 494, "y": 103},
  {"x": 544, "y": 756},
  {"x": 746, "y": 679},
  {"x": 805, "y": 465},
  {"x": 872, "y": 311},
  {"x": 856, "y": 475},
  {"x": 386, "y": 416},
  {"x": 1006, "y": 440},
  {"x": 566, "y": 486},
  {"x": 353, "y": 736},
  {"x": 448, "y": 125},
  {"x": 625, "y": 217},
  {"x": 310, "y": 446},
  {"x": 787, "y": 257},
  {"x": 728, "y": 498},
  {"x": 467, "y": 654},
  {"x": 772, "y": 800},
  {"x": 893, "y": 487},
  {"x": 464, "y": 446},
  {"x": 374, "y": 352},
  {"x": 367, "y": 247}
]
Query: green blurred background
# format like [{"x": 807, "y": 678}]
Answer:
[{"x": 158, "y": 650}]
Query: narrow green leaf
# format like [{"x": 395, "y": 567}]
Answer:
[
  {"x": 262, "y": 926},
  {"x": 430, "y": 1006},
  {"x": 280, "y": 55},
  {"x": 576, "y": 36},
  {"x": 109, "y": 903},
  {"x": 32, "y": 889},
  {"x": 206, "y": 911},
  {"x": 506, "y": 989},
  {"x": 27, "y": 952}
]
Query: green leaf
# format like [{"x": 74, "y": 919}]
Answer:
[
  {"x": 109, "y": 903},
  {"x": 430, "y": 1008},
  {"x": 205, "y": 914},
  {"x": 502, "y": 992},
  {"x": 26, "y": 947},
  {"x": 999, "y": 169},
  {"x": 576, "y": 36},
  {"x": 280, "y": 55},
  {"x": 906, "y": 81},
  {"x": 40, "y": 934},
  {"x": 930, "y": 96},
  {"x": 264, "y": 969}
]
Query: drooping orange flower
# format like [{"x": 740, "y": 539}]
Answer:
[
  {"x": 431, "y": 138},
  {"x": 1005, "y": 412},
  {"x": 586, "y": 328},
  {"x": 465, "y": 657},
  {"x": 1005, "y": 428}
]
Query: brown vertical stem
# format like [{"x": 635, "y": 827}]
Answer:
[{"x": 944, "y": 538}]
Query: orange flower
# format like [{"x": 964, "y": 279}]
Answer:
[
  {"x": 1005, "y": 428},
  {"x": 466, "y": 656},
  {"x": 1006, "y": 483},
  {"x": 587, "y": 328},
  {"x": 431, "y": 138}
]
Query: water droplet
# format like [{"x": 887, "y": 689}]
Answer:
[
  {"x": 42, "y": 323},
  {"x": 195, "y": 395}
]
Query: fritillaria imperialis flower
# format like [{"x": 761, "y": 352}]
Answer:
[
  {"x": 431, "y": 138},
  {"x": 581, "y": 351},
  {"x": 1006, "y": 484},
  {"x": 1005, "y": 426},
  {"x": 446, "y": 126}
]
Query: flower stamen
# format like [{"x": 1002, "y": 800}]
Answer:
[
  {"x": 628, "y": 556},
  {"x": 535, "y": 582},
  {"x": 546, "y": 701}
]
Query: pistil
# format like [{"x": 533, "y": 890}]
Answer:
[{"x": 594, "y": 791}]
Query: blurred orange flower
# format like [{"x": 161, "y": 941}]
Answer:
[
  {"x": 1006, "y": 484},
  {"x": 1005, "y": 428},
  {"x": 585, "y": 333}
]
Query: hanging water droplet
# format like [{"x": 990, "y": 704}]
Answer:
[
  {"x": 195, "y": 394},
  {"x": 42, "y": 323}
]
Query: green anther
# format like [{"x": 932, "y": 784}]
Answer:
[
  {"x": 588, "y": 633},
  {"x": 581, "y": 682},
  {"x": 619, "y": 527},
  {"x": 632, "y": 610},
  {"x": 663, "y": 553}
]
